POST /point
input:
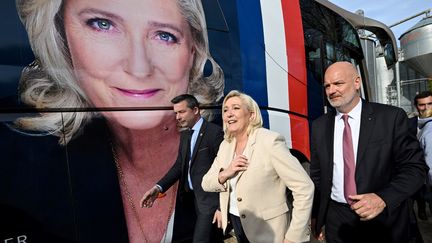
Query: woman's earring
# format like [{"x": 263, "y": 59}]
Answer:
[{"x": 34, "y": 65}]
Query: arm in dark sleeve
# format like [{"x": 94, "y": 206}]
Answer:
[
  {"x": 219, "y": 137},
  {"x": 409, "y": 165},
  {"x": 315, "y": 171}
]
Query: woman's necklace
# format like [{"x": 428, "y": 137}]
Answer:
[{"x": 129, "y": 195}]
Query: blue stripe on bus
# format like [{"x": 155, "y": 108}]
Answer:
[{"x": 253, "y": 54}]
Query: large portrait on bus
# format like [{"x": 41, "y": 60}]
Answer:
[{"x": 86, "y": 122}]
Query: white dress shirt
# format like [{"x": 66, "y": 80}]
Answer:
[
  {"x": 337, "y": 191},
  {"x": 233, "y": 209}
]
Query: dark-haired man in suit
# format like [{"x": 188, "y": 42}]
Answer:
[
  {"x": 422, "y": 102},
  {"x": 365, "y": 165},
  {"x": 199, "y": 144}
]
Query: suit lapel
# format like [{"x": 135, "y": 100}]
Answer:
[
  {"x": 366, "y": 127},
  {"x": 329, "y": 140},
  {"x": 230, "y": 155},
  {"x": 249, "y": 149},
  {"x": 185, "y": 143}
]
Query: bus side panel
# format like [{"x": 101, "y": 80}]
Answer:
[{"x": 297, "y": 76}]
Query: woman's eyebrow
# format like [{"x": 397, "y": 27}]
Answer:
[
  {"x": 106, "y": 14},
  {"x": 165, "y": 25}
]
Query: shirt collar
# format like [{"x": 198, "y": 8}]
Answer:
[
  {"x": 355, "y": 113},
  {"x": 198, "y": 124}
]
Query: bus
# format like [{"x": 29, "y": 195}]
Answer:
[{"x": 58, "y": 187}]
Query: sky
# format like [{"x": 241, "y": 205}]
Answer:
[{"x": 389, "y": 11}]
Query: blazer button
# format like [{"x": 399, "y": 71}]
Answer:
[
  {"x": 243, "y": 216},
  {"x": 239, "y": 199}
]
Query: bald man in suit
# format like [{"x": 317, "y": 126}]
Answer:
[{"x": 370, "y": 202}]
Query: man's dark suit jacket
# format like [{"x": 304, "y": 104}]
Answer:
[
  {"x": 389, "y": 163},
  {"x": 413, "y": 125},
  {"x": 206, "y": 147}
]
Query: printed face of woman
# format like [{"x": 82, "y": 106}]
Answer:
[
  {"x": 236, "y": 116},
  {"x": 129, "y": 53}
]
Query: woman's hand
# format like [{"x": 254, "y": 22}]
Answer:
[
  {"x": 217, "y": 219},
  {"x": 318, "y": 235},
  {"x": 239, "y": 163}
]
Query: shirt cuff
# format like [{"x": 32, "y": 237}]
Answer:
[{"x": 159, "y": 187}]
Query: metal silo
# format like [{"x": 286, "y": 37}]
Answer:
[{"x": 416, "y": 46}]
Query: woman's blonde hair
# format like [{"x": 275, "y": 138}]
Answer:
[
  {"x": 251, "y": 105},
  {"x": 49, "y": 82},
  {"x": 426, "y": 114}
]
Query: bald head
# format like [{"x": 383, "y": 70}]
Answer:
[
  {"x": 345, "y": 68},
  {"x": 342, "y": 83}
]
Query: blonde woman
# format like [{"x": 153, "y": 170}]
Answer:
[{"x": 252, "y": 171}]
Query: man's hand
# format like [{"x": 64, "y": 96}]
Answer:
[
  {"x": 318, "y": 235},
  {"x": 367, "y": 206},
  {"x": 149, "y": 197},
  {"x": 217, "y": 218}
]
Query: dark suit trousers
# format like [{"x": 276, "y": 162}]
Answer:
[
  {"x": 343, "y": 225},
  {"x": 204, "y": 231}
]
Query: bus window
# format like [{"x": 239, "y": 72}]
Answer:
[{"x": 328, "y": 38}]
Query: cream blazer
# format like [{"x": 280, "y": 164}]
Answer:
[{"x": 261, "y": 189}]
